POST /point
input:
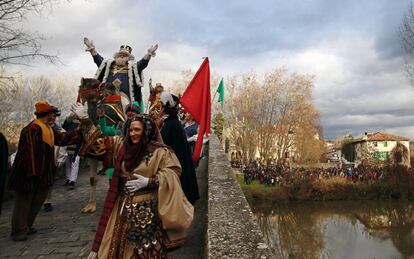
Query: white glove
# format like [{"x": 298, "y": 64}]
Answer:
[
  {"x": 152, "y": 49},
  {"x": 193, "y": 138},
  {"x": 80, "y": 111},
  {"x": 139, "y": 183},
  {"x": 90, "y": 46},
  {"x": 93, "y": 255}
]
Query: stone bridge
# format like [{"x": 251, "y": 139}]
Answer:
[{"x": 223, "y": 227}]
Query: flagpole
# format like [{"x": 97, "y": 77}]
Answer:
[
  {"x": 214, "y": 97},
  {"x": 148, "y": 100}
]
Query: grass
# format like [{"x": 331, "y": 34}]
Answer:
[
  {"x": 257, "y": 190},
  {"x": 254, "y": 185}
]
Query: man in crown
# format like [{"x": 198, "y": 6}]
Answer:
[{"x": 124, "y": 68}]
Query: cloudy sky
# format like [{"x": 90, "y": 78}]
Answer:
[{"x": 351, "y": 47}]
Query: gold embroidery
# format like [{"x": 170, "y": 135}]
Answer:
[
  {"x": 121, "y": 245},
  {"x": 119, "y": 69}
]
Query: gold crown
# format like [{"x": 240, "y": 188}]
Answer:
[{"x": 125, "y": 48}]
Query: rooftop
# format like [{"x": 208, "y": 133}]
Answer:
[{"x": 381, "y": 136}]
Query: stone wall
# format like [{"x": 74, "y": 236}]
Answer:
[{"x": 232, "y": 230}]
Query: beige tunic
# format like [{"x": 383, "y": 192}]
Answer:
[{"x": 174, "y": 212}]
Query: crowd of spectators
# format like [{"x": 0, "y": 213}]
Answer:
[{"x": 278, "y": 175}]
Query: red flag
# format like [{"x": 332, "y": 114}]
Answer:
[{"x": 197, "y": 101}]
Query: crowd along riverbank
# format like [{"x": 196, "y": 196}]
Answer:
[{"x": 396, "y": 184}]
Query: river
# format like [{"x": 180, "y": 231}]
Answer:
[{"x": 339, "y": 229}]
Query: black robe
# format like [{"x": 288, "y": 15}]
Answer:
[
  {"x": 4, "y": 156},
  {"x": 173, "y": 135}
]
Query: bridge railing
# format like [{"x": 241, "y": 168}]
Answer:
[{"x": 232, "y": 230}]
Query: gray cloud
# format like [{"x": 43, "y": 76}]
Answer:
[{"x": 352, "y": 48}]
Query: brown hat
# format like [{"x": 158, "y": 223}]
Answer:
[{"x": 43, "y": 107}]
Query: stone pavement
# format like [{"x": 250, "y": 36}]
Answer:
[{"x": 67, "y": 233}]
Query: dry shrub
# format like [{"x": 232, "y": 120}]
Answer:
[
  {"x": 12, "y": 134},
  {"x": 398, "y": 183},
  {"x": 332, "y": 184}
]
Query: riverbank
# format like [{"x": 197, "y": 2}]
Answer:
[{"x": 395, "y": 187}]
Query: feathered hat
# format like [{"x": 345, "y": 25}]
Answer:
[{"x": 169, "y": 100}]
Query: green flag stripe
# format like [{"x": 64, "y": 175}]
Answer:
[{"x": 220, "y": 90}]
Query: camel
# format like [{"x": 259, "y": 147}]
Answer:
[{"x": 105, "y": 100}]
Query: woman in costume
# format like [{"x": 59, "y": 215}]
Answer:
[
  {"x": 174, "y": 136},
  {"x": 191, "y": 130},
  {"x": 145, "y": 209}
]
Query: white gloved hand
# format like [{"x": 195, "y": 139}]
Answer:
[
  {"x": 193, "y": 138},
  {"x": 139, "y": 183},
  {"x": 93, "y": 255},
  {"x": 80, "y": 111},
  {"x": 90, "y": 46},
  {"x": 152, "y": 49}
]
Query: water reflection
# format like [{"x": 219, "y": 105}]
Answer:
[{"x": 357, "y": 229}]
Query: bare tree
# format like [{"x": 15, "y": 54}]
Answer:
[
  {"x": 271, "y": 118},
  {"x": 240, "y": 127},
  {"x": 19, "y": 96},
  {"x": 365, "y": 154},
  {"x": 309, "y": 147},
  {"x": 179, "y": 84},
  {"x": 17, "y": 46},
  {"x": 407, "y": 41},
  {"x": 400, "y": 154}
]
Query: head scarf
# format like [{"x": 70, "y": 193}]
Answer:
[
  {"x": 169, "y": 100},
  {"x": 134, "y": 153}
]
